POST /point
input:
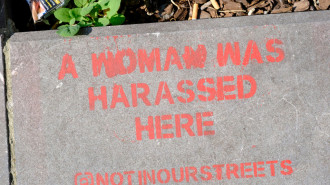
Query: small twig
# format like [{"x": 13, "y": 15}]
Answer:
[
  {"x": 251, "y": 11},
  {"x": 189, "y": 3},
  {"x": 215, "y": 4},
  {"x": 55, "y": 25},
  {"x": 204, "y": 6},
  {"x": 175, "y": 4},
  {"x": 190, "y": 10}
]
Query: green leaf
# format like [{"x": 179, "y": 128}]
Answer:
[
  {"x": 102, "y": 22},
  {"x": 95, "y": 11},
  {"x": 84, "y": 24},
  {"x": 104, "y": 4},
  {"x": 86, "y": 10},
  {"x": 117, "y": 19},
  {"x": 114, "y": 7},
  {"x": 72, "y": 21},
  {"x": 80, "y": 3},
  {"x": 68, "y": 30},
  {"x": 76, "y": 13},
  {"x": 63, "y": 14}
]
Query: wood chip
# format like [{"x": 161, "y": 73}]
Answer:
[
  {"x": 204, "y": 15},
  {"x": 231, "y": 11},
  {"x": 181, "y": 14},
  {"x": 183, "y": 9},
  {"x": 168, "y": 12},
  {"x": 229, "y": 14},
  {"x": 241, "y": 14},
  {"x": 232, "y": 6},
  {"x": 282, "y": 10},
  {"x": 300, "y": 6},
  {"x": 258, "y": 12},
  {"x": 213, "y": 12},
  {"x": 244, "y": 2},
  {"x": 324, "y": 4},
  {"x": 200, "y": 1},
  {"x": 254, "y": 2}
]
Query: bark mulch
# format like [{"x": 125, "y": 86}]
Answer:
[
  {"x": 146, "y": 11},
  {"x": 143, "y": 11}
]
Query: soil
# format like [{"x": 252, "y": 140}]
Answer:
[{"x": 147, "y": 11}]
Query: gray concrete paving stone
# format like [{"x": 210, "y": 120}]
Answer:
[{"x": 232, "y": 101}]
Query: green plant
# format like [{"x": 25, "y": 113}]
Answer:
[{"x": 88, "y": 13}]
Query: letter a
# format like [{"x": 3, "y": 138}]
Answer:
[{"x": 67, "y": 67}]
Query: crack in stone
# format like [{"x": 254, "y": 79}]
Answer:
[{"x": 9, "y": 106}]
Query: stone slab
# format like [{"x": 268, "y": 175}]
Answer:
[
  {"x": 4, "y": 169},
  {"x": 266, "y": 121}
]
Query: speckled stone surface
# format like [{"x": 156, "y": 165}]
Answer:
[{"x": 278, "y": 134}]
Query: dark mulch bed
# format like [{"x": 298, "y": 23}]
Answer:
[
  {"x": 178, "y": 10},
  {"x": 146, "y": 11}
]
